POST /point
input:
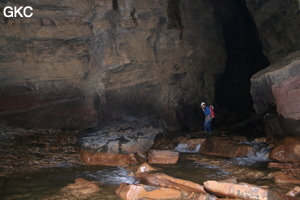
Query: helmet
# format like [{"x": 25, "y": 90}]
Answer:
[{"x": 203, "y": 103}]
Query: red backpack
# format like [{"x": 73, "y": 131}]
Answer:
[{"x": 212, "y": 111}]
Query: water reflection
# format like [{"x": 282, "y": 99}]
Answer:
[{"x": 110, "y": 176}]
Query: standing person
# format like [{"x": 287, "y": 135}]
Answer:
[{"x": 208, "y": 119}]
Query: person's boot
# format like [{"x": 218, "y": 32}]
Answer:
[
  {"x": 209, "y": 134},
  {"x": 205, "y": 133}
]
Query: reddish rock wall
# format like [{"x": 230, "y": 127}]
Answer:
[{"x": 278, "y": 85}]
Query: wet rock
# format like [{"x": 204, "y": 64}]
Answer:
[
  {"x": 218, "y": 146},
  {"x": 203, "y": 197},
  {"x": 141, "y": 157},
  {"x": 292, "y": 169},
  {"x": 163, "y": 180},
  {"x": 121, "y": 138},
  {"x": 294, "y": 192},
  {"x": 287, "y": 150},
  {"x": 135, "y": 192},
  {"x": 163, "y": 157},
  {"x": 280, "y": 165},
  {"x": 243, "y": 191},
  {"x": 281, "y": 177},
  {"x": 261, "y": 139},
  {"x": 107, "y": 159},
  {"x": 145, "y": 168},
  {"x": 81, "y": 187},
  {"x": 187, "y": 145},
  {"x": 237, "y": 138},
  {"x": 229, "y": 180}
]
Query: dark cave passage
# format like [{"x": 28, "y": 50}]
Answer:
[{"x": 244, "y": 58}]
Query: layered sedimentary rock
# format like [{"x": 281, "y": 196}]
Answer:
[
  {"x": 225, "y": 147},
  {"x": 149, "y": 58},
  {"x": 86, "y": 63},
  {"x": 278, "y": 85},
  {"x": 44, "y": 60}
]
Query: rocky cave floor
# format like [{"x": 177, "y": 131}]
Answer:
[{"x": 29, "y": 150}]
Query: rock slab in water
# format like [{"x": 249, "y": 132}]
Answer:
[
  {"x": 135, "y": 192},
  {"x": 163, "y": 180},
  {"x": 281, "y": 177},
  {"x": 163, "y": 157},
  {"x": 224, "y": 147},
  {"x": 107, "y": 159},
  {"x": 81, "y": 187},
  {"x": 243, "y": 191},
  {"x": 294, "y": 192},
  {"x": 287, "y": 150},
  {"x": 120, "y": 138}
]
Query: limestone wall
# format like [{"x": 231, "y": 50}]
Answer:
[
  {"x": 278, "y": 25},
  {"x": 84, "y": 63}
]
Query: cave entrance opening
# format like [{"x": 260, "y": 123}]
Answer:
[{"x": 244, "y": 58}]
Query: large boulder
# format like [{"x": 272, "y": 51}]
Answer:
[
  {"x": 115, "y": 145},
  {"x": 224, "y": 147},
  {"x": 124, "y": 137},
  {"x": 278, "y": 85},
  {"x": 287, "y": 150}
]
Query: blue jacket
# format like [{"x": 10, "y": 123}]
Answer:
[{"x": 206, "y": 111}]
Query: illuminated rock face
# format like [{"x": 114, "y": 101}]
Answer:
[
  {"x": 83, "y": 64},
  {"x": 287, "y": 150},
  {"x": 278, "y": 84},
  {"x": 86, "y": 63}
]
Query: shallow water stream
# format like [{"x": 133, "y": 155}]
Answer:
[
  {"x": 47, "y": 183},
  {"x": 52, "y": 168}
]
